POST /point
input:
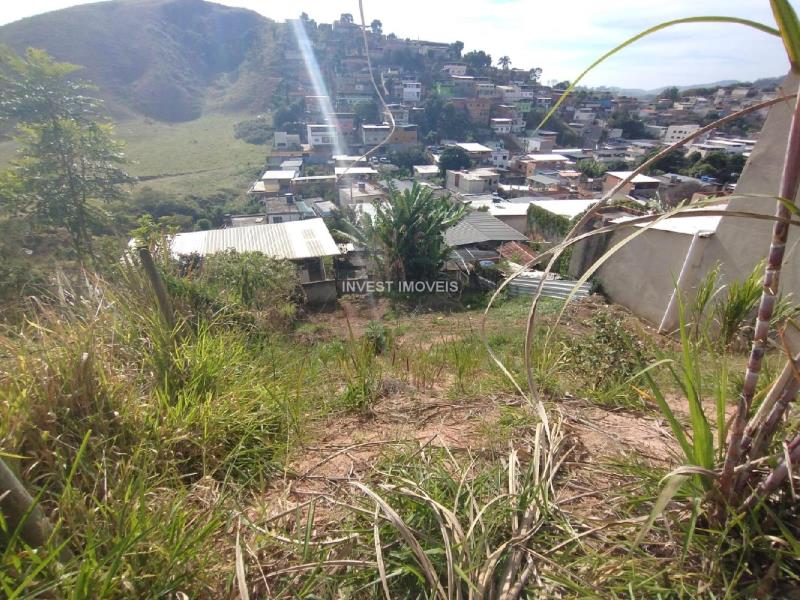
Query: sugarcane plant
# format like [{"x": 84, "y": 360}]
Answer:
[{"x": 735, "y": 476}]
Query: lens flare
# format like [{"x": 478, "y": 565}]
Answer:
[{"x": 317, "y": 81}]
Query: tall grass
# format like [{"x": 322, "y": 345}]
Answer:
[{"x": 137, "y": 441}]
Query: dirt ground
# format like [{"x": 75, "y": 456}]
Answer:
[{"x": 350, "y": 448}]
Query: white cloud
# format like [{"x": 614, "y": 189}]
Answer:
[{"x": 560, "y": 37}]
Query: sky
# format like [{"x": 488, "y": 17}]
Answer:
[{"x": 560, "y": 37}]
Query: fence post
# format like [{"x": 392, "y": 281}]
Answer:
[
  {"x": 158, "y": 286},
  {"x": 15, "y": 503}
]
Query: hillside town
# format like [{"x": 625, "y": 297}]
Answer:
[{"x": 468, "y": 129}]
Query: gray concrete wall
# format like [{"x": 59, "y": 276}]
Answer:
[
  {"x": 740, "y": 244},
  {"x": 641, "y": 275},
  {"x": 320, "y": 292},
  {"x": 518, "y": 222}
]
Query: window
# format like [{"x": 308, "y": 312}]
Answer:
[{"x": 277, "y": 219}]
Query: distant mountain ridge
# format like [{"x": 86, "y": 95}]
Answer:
[
  {"x": 764, "y": 82},
  {"x": 166, "y": 59}
]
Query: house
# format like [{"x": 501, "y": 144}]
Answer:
[
  {"x": 322, "y": 134},
  {"x": 501, "y": 126},
  {"x": 313, "y": 185},
  {"x": 475, "y": 181},
  {"x": 533, "y": 163},
  {"x": 641, "y": 185},
  {"x": 286, "y": 141},
  {"x": 276, "y": 210},
  {"x": 360, "y": 192},
  {"x": 478, "y": 229},
  {"x": 455, "y": 68},
  {"x": 677, "y": 133},
  {"x": 478, "y": 153},
  {"x": 292, "y": 164},
  {"x": 274, "y": 182},
  {"x": 402, "y": 137},
  {"x": 426, "y": 171},
  {"x": 354, "y": 172},
  {"x": 400, "y": 114},
  {"x": 478, "y": 108},
  {"x": 411, "y": 91},
  {"x": 500, "y": 158},
  {"x": 513, "y": 214},
  {"x": 653, "y": 260},
  {"x": 545, "y": 183},
  {"x": 305, "y": 243}
]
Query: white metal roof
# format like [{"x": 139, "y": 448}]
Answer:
[
  {"x": 278, "y": 175},
  {"x": 473, "y": 147},
  {"x": 292, "y": 240},
  {"x": 638, "y": 179},
  {"x": 426, "y": 169}
]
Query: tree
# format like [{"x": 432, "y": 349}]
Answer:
[
  {"x": 409, "y": 157},
  {"x": 457, "y": 47},
  {"x": 672, "y": 162},
  {"x": 591, "y": 168},
  {"x": 632, "y": 128},
  {"x": 618, "y": 165},
  {"x": 504, "y": 62},
  {"x": 367, "y": 112},
  {"x": 406, "y": 236},
  {"x": 535, "y": 75},
  {"x": 453, "y": 158},
  {"x": 288, "y": 114},
  {"x": 453, "y": 122},
  {"x": 69, "y": 162},
  {"x": 346, "y": 18},
  {"x": 377, "y": 27},
  {"x": 722, "y": 166},
  {"x": 670, "y": 93},
  {"x": 478, "y": 59}
]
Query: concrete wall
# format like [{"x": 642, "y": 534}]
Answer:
[
  {"x": 740, "y": 244},
  {"x": 642, "y": 274},
  {"x": 320, "y": 292},
  {"x": 518, "y": 222}
]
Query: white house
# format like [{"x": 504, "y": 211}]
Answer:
[
  {"x": 677, "y": 133},
  {"x": 501, "y": 126},
  {"x": 321, "y": 134}
]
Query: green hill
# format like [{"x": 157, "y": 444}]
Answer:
[{"x": 170, "y": 60}]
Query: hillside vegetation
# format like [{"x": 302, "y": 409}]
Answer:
[
  {"x": 165, "y": 59},
  {"x": 195, "y": 157}
]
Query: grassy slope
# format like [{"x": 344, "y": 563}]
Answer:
[{"x": 196, "y": 157}]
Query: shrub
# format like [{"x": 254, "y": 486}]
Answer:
[
  {"x": 253, "y": 131},
  {"x": 607, "y": 358}
]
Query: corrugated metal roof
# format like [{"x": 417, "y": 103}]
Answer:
[
  {"x": 479, "y": 227},
  {"x": 292, "y": 240}
]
